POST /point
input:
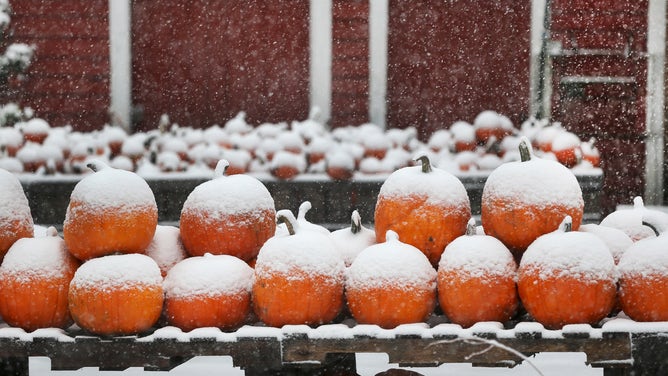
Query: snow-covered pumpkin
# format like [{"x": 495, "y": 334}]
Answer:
[
  {"x": 208, "y": 291},
  {"x": 231, "y": 215},
  {"x": 427, "y": 207},
  {"x": 637, "y": 222},
  {"x": 643, "y": 276},
  {"x": 15, "y": 217},
  {"x": 350, "y": 241},
  {"x": 286, "y": 165},
  {"x": 525, "y": 199},
  {"x": 567, "y": 277},
  {"x": 35, "y": 277},
  {"x": 616, "y": 240},
  {"x": 488, "y": 124},
  {"x": 110, "y": 211},
  {"x": 299, "y": 278},
  {"x": 566, "y": 148},
  {"x": 166, "y": 248},
  {"x": 116, "y": 294},
  {"x": 391, "y": 283},
  {"x": 340, "y": 165},
  {"x": 476, "y": 280}
]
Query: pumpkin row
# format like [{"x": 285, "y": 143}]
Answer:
[{"x": 422, "y": 210}]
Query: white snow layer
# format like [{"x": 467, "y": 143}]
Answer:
[{"x": 208, "y": 275}]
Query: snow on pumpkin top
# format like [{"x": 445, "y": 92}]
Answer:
[
  {"x": 616, "y": 240},
  {"x": 43, "y": 258},
  {"x": 208, "y": 275},
  {"x": 306, "y": 253},
  {"x": 479, "y": 257},
  {"x": 646, "y": 257},
  {"x": 13, "y": 202},
  {"x": 439, "y": 186},
  {"x": 225, "y": 195},
  {"x": 538, "y": 182},
  {"x": 166, "y": 247},
  {"x": 570, "y": 254},
  {"x": 117, "y": 272},
  {"x": 113, "y": 188},
  {"x": 391, "y": 264},
  {"x": 350, "y": 244}
]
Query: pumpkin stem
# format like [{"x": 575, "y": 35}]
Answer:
[
  {"x": 471, "y": 227},
  {"x": 567, "y": 224},
  {"x": 97, "y": 165},
  {"x": 391, "y": 236},
  {"x": 426, "y": 165},
  {"x": 638, "y": 203},
  {"x": 286, "y": 216},
  {"x": 221, "y": 167},
  {"x": 525, "y": 150},
  {"x": 303, "y": 209},
  {"x": 355, "y": 222}
]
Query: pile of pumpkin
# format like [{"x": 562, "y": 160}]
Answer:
[{"x": 235, "y": 260}]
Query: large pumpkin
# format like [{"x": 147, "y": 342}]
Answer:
[
  {"x": 117, "y": 294},
  {"x": 299, "y": 278},
  {"x": 110, "y": 211},
  {"x": 208, "y": 291},
  {"x": 231, "y": 215},
  {"x": 34, "y": 280},
  {"x": 427, "y": 207},
  {"x": 567, "y": 277},
  {"x": 476, "y": 280},
  {"x": 525, "y": 199},
  {"x": 15, "y": 217},
  {"x": 390, "y": 284}
]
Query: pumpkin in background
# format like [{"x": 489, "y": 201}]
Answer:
[
  {"x": 390, "y": 284},
  {"x": 117, "y": 294},
  {"x": 231, "y": 215},
  {"x": 34, "y": 281},
  {"x": 427, "y": 207},
  {"x": 110, "y": 211},
  {"x": 643, "y": 275},
  {"x": 299, "y": 278},
  {"x": 567, "y": 277},
  {"x": 15, "y": 217},
  {"x": 566, "y": 148},
  {"x": 208, "y": 291},
  {"x": 525, "y": 199},
  {"x": 476, "y": 280},
  {"x": 490, "y": 124}
]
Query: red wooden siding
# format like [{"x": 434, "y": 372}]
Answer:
[
  {"x": 68, "y": 82},
  {"x": 450, "y": 60},
  {"x": 350, "y": 62},
  {"x": 604, "y": 38},
  {"x": 203, "y": 61}
]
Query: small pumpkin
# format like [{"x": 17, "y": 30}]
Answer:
[
  {"x": 567, "y": 277},
  {"x": 208, "y": 291},
  {"x": 476, "y": 280},
  {"x": 166, "y": 248},
  {"x": 110, "y": 211},
  {"x": 299, "y": 278},
  {"x": 638, "y": 222},
  {"x": 390, "y": 284},
  {"x": 34, "y": 281},
  {"x": 231, "y": 215},
  {"x": 427, "y": 207},
  {"x": 525, "y": 199},
  {"x": 116, "y": 294},
  {"x": 352, "y": 240},
  {"x": 15, "y": 217},
  {"x": 488, "y": 124},
  {"x": 566, "y": 148}
]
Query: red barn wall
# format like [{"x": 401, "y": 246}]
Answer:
[
  {"x": 203, "y": 61},
  {"x": 450, "y": 60},
  {"x": 604, "y": 38},
  {"x": 68, "y": 82}
]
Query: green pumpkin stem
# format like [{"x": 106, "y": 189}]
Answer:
[{"x": 525, "y": 151}]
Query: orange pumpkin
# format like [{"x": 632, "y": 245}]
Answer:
[
  {"x": 476, "y": 280},
  {"x": 231, "y": 215},
  {"x": 643, "y": 280},
  {"x": 526, "y": 199},
  {"x": 566, "y": 148},
  {"x": 110, "y": 211},
  {"x": 390, "y": 284},
  {"x": 208, "y": 291},
  {"x": 15, "y": 217},
  {"x": 299, "y": 278},
  {"x": 34, "y": 280},
  {"x": 428, "y": 208},
  {"x": 488, "y": 124},
  {"x": 117, "y": 294},
  {"x": 567, "y": 277}
]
